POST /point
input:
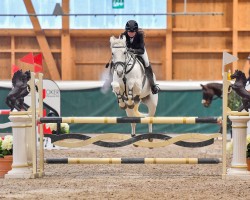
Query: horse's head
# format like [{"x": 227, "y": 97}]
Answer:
[
  {"x": 239, "y": 75},
  {"x": 26, "y": 76},
  {"x": 209, "y": 91},
  {"x": 119, "y": 51},
  {"x": 207, "y": 95}
]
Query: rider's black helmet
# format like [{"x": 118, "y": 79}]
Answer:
[{"x": 132, "y": 26}]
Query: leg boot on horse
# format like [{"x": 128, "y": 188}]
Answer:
[{"x": 150, "y": 76}]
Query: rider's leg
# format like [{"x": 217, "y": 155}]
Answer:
[{"x": 149, "y": 73}]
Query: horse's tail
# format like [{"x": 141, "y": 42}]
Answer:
[{"x": 138, "y": 113}]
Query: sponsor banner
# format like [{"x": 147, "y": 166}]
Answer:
[{"x": 51, "y": 94}]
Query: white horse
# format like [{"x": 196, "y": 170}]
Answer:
[{"x": 130, "y": 84}]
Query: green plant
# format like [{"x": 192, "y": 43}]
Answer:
[
  {"x": 248, "y": 150},
  {"x": 6, "y": 146},
  {"x": 64, "y": 127},
  {"x": 234, "y": 100}
]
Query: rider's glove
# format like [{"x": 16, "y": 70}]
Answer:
[{"x": 131, "y": 50}]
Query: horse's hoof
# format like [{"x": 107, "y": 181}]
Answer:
[
  {"x": 135, "y": 145},
  {"x": 123, "y": 107},
  {"x": 150, "y": 140}
]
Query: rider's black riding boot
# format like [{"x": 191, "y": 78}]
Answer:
[{"x": 149, "y": 74}]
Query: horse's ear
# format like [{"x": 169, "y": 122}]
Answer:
[
  {"x": 112, "y": 38},
  {"x": 203, "y": 86},
  {"x": 123, "y": 38}
]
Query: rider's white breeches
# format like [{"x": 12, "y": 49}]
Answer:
[{"x": 145, "y": 58}]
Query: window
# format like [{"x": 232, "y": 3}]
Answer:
[
  {"x": 110, "y": 21},
  {"x": 118, "y": 21},
  {"x": 18, "y": 7}
]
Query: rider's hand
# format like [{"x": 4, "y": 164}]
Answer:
[{"x": 131, "y": 50}]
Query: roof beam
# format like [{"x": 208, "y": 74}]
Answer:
[
  {"x": 66, "y": 58},
  {"x": 42, "y": 41},
  {"x": 168, "y": 44}
]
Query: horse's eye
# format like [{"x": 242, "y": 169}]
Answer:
[
  {"x": 112, "y": 54},
  {"x": 124, "y": 52}
]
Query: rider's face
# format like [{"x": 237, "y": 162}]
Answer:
[{"x": 131, "y": 34}]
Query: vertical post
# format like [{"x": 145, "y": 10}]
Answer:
[
  {"x": 20, "y": 168},
  {"x": 239, "y": 130},
  {"x": 28, "y": 136},
  {"x": 34, "y": 133},
  {"x": 224, "y": 125},
  {"x": 41, "y": 149}
]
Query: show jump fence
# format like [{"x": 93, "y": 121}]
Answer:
[{"x": 26, "y": 156}]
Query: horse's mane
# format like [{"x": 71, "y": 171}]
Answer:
[
  {"x": 214, "y": 85},
  {"x": 17, "y": 75},
  {"x": 243, "y": 76},
  {"x": 28, "y": 76},
  {"x": 239, "y": 75}
]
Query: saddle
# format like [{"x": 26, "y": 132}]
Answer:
[{"x": 140, "y": 59}]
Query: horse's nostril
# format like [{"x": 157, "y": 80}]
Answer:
[{"x": 119, "y": 73}]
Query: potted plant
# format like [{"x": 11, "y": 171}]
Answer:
[
  {"x": 248, "y": 156},
  {"x": 64, "y": 128},
  {"x": 6, "y": 151}
]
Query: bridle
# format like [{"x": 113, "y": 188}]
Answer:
[{"x": 126, "y": 63}]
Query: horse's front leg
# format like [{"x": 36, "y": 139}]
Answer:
[
  {"x": 130, "y": 101},
  {"x": 121, "y": 103},
  {"x": 116, "y": 90}
]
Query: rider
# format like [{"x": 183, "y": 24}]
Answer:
[{"x": 135, "y": 44}]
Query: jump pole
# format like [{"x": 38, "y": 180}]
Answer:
[
  {"x": 4, "y": 112},
  {"x": 132, "y": 161},
  {"x": 139, "y": 120}
]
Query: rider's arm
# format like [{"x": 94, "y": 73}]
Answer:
[{"x": 140, "y": 46}]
